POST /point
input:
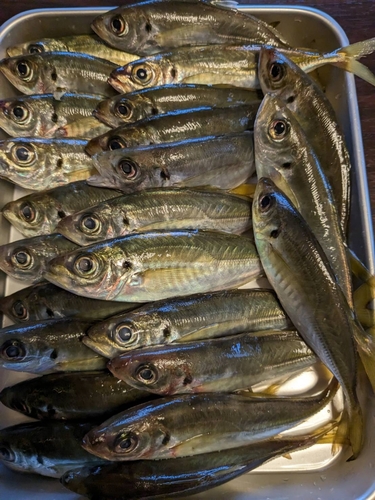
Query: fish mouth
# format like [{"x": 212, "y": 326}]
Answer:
[
  {"x": 98, "y": 26},
  {"x": 56, "y": 274},
  {"x": 95, "y": 445},
  {"x": 93, "y": 147},
  {"x": 89, "y": 342},
  {"x": 117, "y": 84}
]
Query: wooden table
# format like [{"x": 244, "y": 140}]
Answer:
[{"x": 357, "y": 17}]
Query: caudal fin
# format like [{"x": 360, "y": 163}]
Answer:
[
  {"x": 348, "y": 59},
  {"x": 356, "y": 437}
]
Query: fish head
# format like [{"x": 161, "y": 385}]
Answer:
[
  {"x": 15, "y": 307},
  {"x": 143, "y": 73},
  {"x": 37, "y": 47},
  {"x": 132, "y": 435},
  {"x": 277, "y": 142},
  {"x": 96, "y": 271},
  {"x": 31, "y": 215},
  {"x": 88, "y": 226},
  {"x": 21, "y": 161},
  {"x": 121, "y": 170},
  {"x": 152, "y": 369},
  {"x": 118, "y": 334},
  {"x": 23, "y": 260},
  {"x": 20, "y": 348},
  {"x": 122, "y": 109},
  {"x": 20, "y": 117},
  {"x": 267, "y": 220},
  {"x": 109, "y": 141},
  {"x": 281, "y": 76},
  {"x": 17, "y": 401},
  {"x": 120, "y": 28},
  {"x": 26, "y": 73}
]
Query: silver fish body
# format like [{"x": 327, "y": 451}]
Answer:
[
  {"x": 82, "y": 44},
  {"x": 198, "y": 317},
  {"x": 299, "y": 271},
  {"x": 58, "y": 396},
  {"x": 222, "y": 162},
  {"x": 192, "y": 424},
  {"x": 46, "y": 301},
  {"x": 146, "y": 103},
  {"x": 47, "y": 347},
  {"x": 46, "y": 115},
  {"x": 46, "y": 448},
  {"x": 177, "y": 126},
  {"x": 156, "y": 265},
  {"x": 153, "y": 26},
  {"x": 26, "y": 260},
  {"x": 58, "y": 72},
  {"x": 227, "y": 364},
  {"x": 168, "y": 209},
  {"x": 40, "y": 164},
  {"x": 39, "y": 213}
]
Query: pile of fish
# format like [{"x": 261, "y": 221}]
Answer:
[{"x": 217, "y": 162}]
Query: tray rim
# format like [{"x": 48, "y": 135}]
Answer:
[{"x": 358, "y": 157}]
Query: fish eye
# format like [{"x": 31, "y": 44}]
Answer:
[
  {"x": 27, "y": 212},
  {"x": 85, "y": 265},
  {"x": 23, "y": 70},
  {"x": 126, "y": 442},
  {"x": 123, "y": 333},
  {"x": 143, "y": 74},
  {"x": 123, "y": 109},
  {"x": 265, "y": 202},
  {"x": 119, "y": 26},
  {"x": 146, "y": 374},
  {"x": 277, "y": 72},
  {"x": 116, "y": 143},
  {"x": 35, "y": 48},
  {"x": 23, "y": 154},
  {"x": 129, "y": 168},
  {"x": 19, "y": 310},
  {"x": 22, "y": 259},
  {"x": 13, "y": 350},
  {"x": 20, "y": 113},
  {"x": 90, "y": 224},
  {"x": 278, "y": 129},
  {"x": 6, "y": 454}
]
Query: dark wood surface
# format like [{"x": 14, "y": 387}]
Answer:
[{"x": 357, "y": 17}]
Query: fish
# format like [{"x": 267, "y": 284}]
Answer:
[
  {"x": 312, "y": 109},
  {"x": 156, "y": 265},
  {"x": 46, "y": 448},
  {"x": 302, "y": 277},
  {"x": 130, "y": 108},
  {"x": 168, "y": 209},
  {"x": 283, "y": 153},
  {"x": 193, "y": 318},
  {"x": 39, "y": 164},
  {"x": 226, "y": 364},
  {"x": 58, "y": 396},
  {"x": 192, "y": 424},
  {"x": 46, "y": 115},
  {"x": 49, "y": 346},
  {"x": 37, "y": 214},
  {"x": 82, "y": 44},
  {"x": 151, "y": 26},
  {"x": 58, "y": 72},
  {"x": 178, "y": 477},
  {"x": 222, "y": 162},
  {"x": 176, "y": 126},
  {"x": 47, "y": 301},
  {"x": 26, "y": 260},
  {"x": 234, "y": 65}
]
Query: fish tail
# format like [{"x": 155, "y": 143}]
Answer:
[
  {"x": 356, "y": 436},
  {"x": 349, "y": 55},
  {"x": 365, "y": 342}
]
